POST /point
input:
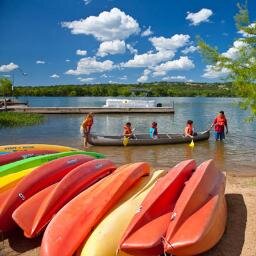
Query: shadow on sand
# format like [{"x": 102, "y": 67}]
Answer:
[
  {"x": 233, "y": 238},
  {"x": 18, "y": 243}
]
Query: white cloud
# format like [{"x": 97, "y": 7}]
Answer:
[
  {"x": 87, "y": 66},
  {"x": 173, "y": 43},
  {"x": 183, "y": 63},
  {"x": 108, "y": 26},
  {"x": 85, "y": 80},
  {"x": 87, "y": 1},
  {"x": 55, "y": 76},
  {"x": 67, "y": 60},
  {"x": 131, "y": 49},
  {"x": 123, "y": 77},
  {"x": 212, "y": 72},
  {"x": 144, "y": 77},
  {"x": 81, "y": 52},
  {"x": 9, "y": 67},
  {"x": 147, "y": 32},
  {"x": 111, "y": 47},
  {"x": 40, "y": 62},
  {"x": 199, "y": 17},
  {"x": 174, "y": 78},
  {"x": 148, "y": 59},
  {"x": 233, "y": 52},
  {"x": 190, "y": 49},
  {"x": 104, "y": 76}
]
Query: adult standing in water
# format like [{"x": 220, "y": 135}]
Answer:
[
  {"x": 86, "y": 127},
  {"x": 219, "y": 123}
]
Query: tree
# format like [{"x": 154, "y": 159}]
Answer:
[
  {"x": 5, "y": 87},
  {"x": 240, "y": 63}
]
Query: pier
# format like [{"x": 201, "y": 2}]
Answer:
[{"x": 96, "y": 110}]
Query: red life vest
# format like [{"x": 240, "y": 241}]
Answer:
[
  {"x": 189, "y": 129},
  {"x": 220, "y": 122}
]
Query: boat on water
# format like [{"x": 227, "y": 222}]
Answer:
[
  {"x": 126, "y": 103},
  {"x": 11, "y": 103},
  {"x": 145, "y": 139}
]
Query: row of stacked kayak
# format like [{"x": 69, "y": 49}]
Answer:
[{"x": 86, "y": 205}]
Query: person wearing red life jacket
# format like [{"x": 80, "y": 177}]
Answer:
[
  {"x": 189, "y": 129},
  {"x": 219, "y": 123},
  {"x": 86, "y": 127},
  {"x": 127, "y": 132}
]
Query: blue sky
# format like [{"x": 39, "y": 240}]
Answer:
[{"x": 110, "y": 41}]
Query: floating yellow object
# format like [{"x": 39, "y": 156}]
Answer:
[
  {"x": 125, "y": 141},
  {"x": 192, "y": 144}
]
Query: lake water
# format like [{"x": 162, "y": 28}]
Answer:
[{"x": 236, "y": 153}]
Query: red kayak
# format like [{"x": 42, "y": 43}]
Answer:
[
  {"x": 144, "y": 234},
  {"x": 75, "y": 221},
  {"x": 19, "y": 155},
  {"x": 200, "y": 214},
  {"x": 43, "y": 176},
  {"x": 34, "y": 214}
]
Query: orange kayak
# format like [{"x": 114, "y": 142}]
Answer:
[
  {"x": 144, "y": 233},
  {"x": 34, "y": 214},
  {"x": 41, "y": 177},
  {"x": 74, "y": 222},
  {"x": 200, "y": 214}
]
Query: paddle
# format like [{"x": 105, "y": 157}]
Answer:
[
  {"x": 191, "y": 144},
  {"x": 126, "y": 139}
]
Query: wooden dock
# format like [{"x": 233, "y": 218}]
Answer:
[{"x": 85, "y": 110}]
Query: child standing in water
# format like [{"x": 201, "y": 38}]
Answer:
[{"x": 86, "y": 127}]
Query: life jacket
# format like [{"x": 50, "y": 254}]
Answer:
[
  {"x": 88, "y": 122},
  {"x": 220, "y": 122},
  {"x": 127, "y": 130},
  {"x": 189, "y": 129}
]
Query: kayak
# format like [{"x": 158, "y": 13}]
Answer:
[
  {"x": 39, "y": 160},
  {"x": 10, "y": 180},
  {"x": 38, "y": 179},
  {"x": 106, "y": 236},
  {"x": 200, "y": 214},
  {"x": 22, "y": 147},
  {"x": 144, "y": 233},
  {"x": 19, "y": 155},
  {"x": 34, "y": 214},
  {"x": 75, "y": 221},
  {"x": 145, "y": 139}
]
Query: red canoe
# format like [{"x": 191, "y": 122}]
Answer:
[
  {"x": 144, "y": 233},
  {"x": 19, "y": 155},
  {"x": 200, "y": 214},
  {"x": 37, "y": 180},
  {"x": 74, "y": 222},
  {"x": 34, "y": 214}
]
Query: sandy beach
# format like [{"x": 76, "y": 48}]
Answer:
[{"x": 239, "y": 237}]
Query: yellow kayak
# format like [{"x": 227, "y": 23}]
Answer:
[
  {"x": 10, "y": 180},
  {"x": 106, "y": 236},
  {"x": 19, "y": 147}
]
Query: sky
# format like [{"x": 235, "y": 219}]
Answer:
[{"x": 49, "y": 42}]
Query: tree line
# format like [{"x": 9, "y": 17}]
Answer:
[{"x": 159, "y": 89}]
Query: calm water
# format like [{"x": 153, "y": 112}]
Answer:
[{"x": 237, "y": 153}]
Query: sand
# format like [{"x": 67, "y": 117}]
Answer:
[{"x": 238, "y": 239}]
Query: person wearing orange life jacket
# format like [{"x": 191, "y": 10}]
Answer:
[
  {"x": 219, "y": 123},
  {"x": 127, "y": 132},
  {"x": 189, "y": 130},
  {"x": 86, "y": 127}
]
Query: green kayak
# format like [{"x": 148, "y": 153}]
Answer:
[{"x": 39, "y": 160}]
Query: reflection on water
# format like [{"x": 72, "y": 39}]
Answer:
[{"x": 236, "y": 153}]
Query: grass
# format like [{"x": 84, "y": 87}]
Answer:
[{"x": 12, "y": 119}]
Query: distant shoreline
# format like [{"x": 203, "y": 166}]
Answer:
[{"x": 159, "y": 89}]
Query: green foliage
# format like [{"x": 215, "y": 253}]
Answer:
[
  {"x": 242, "y": 67},
  {"x": 12, "y": 119},
  {"x": 160, "y": 89},
  {"x": 5, "y": 87}
]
